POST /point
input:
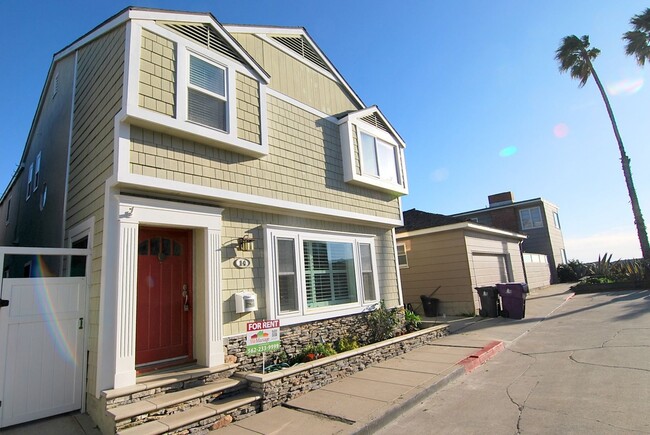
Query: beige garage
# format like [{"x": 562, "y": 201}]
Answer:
[{"x": 446, "y": 258}]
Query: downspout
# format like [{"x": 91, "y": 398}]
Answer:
[{"x": 523, "y": 263}]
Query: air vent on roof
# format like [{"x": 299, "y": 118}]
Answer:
[
  {"x": 303, "y": 48},
  {"x": 205, "y": 35},
  {"x": 374, "y": 120}
]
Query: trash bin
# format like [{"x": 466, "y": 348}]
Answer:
[
  {"x": 489, "y": 301},
  {"x": 513, "y": 298},
  {"x": 430, "y": 306}
]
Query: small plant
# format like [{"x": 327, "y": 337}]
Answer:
[
  {"x": 412, "y": 321},
  {"x": 312, "y": 352},
  {"x": 603, "y": 267},
  {"x": 382, "y": 323},
  {"x": 346, "y": 343},
  {"x": 598, "y": 280}
]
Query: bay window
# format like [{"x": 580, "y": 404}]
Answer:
[{"x": 314, "y": 273}]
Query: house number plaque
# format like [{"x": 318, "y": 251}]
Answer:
[{"x": 242, "y": 263}]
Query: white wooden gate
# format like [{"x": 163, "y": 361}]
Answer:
[{"x": 41, "y": 347}]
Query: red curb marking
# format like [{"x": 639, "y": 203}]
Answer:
[{"x": 479, "y": 357}]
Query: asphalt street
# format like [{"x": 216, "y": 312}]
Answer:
[{"x": 584, "y": 369}]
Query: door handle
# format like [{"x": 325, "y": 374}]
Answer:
[{"x": 186, "y": 295}]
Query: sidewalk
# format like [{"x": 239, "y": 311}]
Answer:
[{"x": 370, "y": 399}]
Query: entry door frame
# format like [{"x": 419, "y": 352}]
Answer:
[{"x": 208, "y": 336}]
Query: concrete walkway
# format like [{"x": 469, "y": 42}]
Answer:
[{"x": 372, "y": 398}]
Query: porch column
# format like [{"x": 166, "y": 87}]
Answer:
[
  {"x": 126, "y": 304},
  {"x": 214, "y": 345}
]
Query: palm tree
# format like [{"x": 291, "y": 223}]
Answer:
[
  {"x": 575, "y": 56},
  {"x": 638, "y": 40}
]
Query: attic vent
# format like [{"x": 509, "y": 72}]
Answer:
[
  {"x": 205, "y": 35},
  {"x": 374, "y": 120},
  {"x": 303, "y": 48}
]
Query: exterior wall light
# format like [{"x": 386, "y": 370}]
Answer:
[{"x": 245, "y": 243}]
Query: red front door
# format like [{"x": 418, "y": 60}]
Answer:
[{"x": 164, "y": 312}]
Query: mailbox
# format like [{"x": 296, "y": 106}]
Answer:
[{"x": 245, "y": 302}]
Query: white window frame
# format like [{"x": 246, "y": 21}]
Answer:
[
  {"x": 556, "y": 220},
  {"x": 37, "y": 170},
  {"x": 303, "y": 312},
  {"x": 179, "y": 124},
  {"x": 533, "y": 223},
  {"x": 368, "y": 172},
  {"x": 402, "y": 254},
  {"x": 225, "y": 98},
  {"x": 30, "y": 179},
  {"x": 350, "y": 129}
]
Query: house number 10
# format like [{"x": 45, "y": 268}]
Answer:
[{"x": 242, "y": 263}]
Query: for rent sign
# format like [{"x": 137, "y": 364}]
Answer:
[{"x": 262, "y": 336}]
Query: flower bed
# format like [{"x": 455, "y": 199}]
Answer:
[{"x": 284, "y": 385}]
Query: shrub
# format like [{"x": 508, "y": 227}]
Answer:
[
  {"x": 312, "y": 352},
  {"x": 412, "y": 321},
  {"x": 382, "y": 323},
  {"x": 346, "y": 343},
  {"x": 572, "y": 271}
]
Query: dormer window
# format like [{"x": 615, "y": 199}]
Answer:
[
  {"x": 378, "y": 158},
  {"x": 373, "y": 153},
  {"x": 206, "y": 94}
]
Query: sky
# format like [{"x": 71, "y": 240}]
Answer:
[{"x": 471, "y": 86}]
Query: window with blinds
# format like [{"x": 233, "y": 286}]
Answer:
[
  {"x": 329, "y": 273},
  {"x": 206, "y": 94}
]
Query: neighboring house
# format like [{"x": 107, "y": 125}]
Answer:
[
  {"x": 198, "y": 161},
  {"x": 537, "y": 218},
  {"x": 447, "y": 258}
]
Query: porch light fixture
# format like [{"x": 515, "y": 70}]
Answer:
[{"x": 245, "y": 243}]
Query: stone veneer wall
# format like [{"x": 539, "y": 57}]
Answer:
[
  {"x": 282, "y": 386},
  {"x": 295, "y": 337}
]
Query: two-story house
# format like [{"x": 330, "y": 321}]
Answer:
[
  {"x": 537, "y": 218},
  {"x": 199, "y": 162}
]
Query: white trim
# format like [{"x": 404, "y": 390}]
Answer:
[
  {"x": 253, "y": 202},
  {"x": 305, "y": 314},
  {"x": 66, "y": 184},
  {"x": 301, "y": 105},
  {"x": 179, "y": 124},
  {"x": 460, "y": 226},
  {"x": 260, "y": 31},
  {"x": 119, "y": 296}
]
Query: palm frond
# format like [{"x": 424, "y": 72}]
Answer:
[{"x": 574, "y": 55}]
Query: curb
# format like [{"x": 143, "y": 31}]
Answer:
[
  {"x": 397, "y": 408},
  {"x": 481, "y": 356}
]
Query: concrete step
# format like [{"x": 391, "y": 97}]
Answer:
[{"x": 197, "y": 416}]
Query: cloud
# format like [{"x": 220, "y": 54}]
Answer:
[
  {"x": 508, "y": 151},
  {"x": 439, "y": 175},
  {"x": 625, "y": 87},
  {"x": 622, "y": 243}
]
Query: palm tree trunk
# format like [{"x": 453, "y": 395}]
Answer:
[{"x": 627, "y": 172}]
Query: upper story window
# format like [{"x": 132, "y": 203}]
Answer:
[
  {"x": 373, "y": 153},
  {"x": 37, "y": 171},
  {"x": 556, "y": 220},
  {"x": 530, "y": 218},
  {"x": 379, "y": 159},
  {"x": 196, "y": 82},
  {"x": 8, "y": 214},
  {"x": 319, "y": 275},
  {"x": 206, "y": 94},
  {"x": 402, "y": 258},
  {"x": 30, "y": 181}
]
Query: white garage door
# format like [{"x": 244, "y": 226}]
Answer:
[
  {"x": 41, "y": 348},
  {"x": 489, "y": 269}
]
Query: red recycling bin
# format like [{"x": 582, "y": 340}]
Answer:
[{"x": 513, "y": 299}]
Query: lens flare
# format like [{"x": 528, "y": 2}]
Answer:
[
  {"x": 625, "y": 87},
  {"x": 508, "y": 151},
  {"x": 47, "y": 306},
  {"x": 560, "y": 131}
]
